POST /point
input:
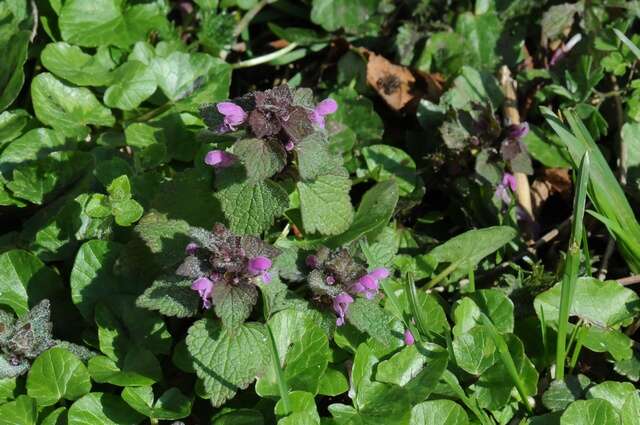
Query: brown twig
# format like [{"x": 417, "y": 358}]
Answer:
[
  {"x": 608, "y": 252},
  {"x": 511, "y": 117},
  {"x": 629, "y": 280}
]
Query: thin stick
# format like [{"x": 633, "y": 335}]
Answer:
[
  {"x": 264, "y": 58},
  {"x": 248, "y": 17},
  {"x": 512, "y": 117},
  {"x": 608, "y": 252},
  {"x": 629, "y": 280}
]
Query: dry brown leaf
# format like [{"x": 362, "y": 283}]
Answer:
[
  {"x": 393, "y": 82},
  {"x": 552, "y": 181}
]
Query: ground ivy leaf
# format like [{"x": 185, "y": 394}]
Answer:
[
  {"x": 92, "y": 278},
  {"x": 25, "y": 281},
  {"x": 615, "y": 393},
  {"x": 227, "y": 360},
  {"x": 607, "y": 304},
  {"x": 103, "y": 409},
  {"x": 22, "y": 411},
  {"x": 375, "y": 210},
  {"x": 590, "y": 412},
  {"x": 56, "y": 417},
  {"x": 171, "y": 405},
  {"x": 325, "y": 205},
  {"x": 134, "y": 82},
  {"x": 261, "y": 158},
  {"x": 178, "y": 73},
  {"x": 630, "y": 412},
  {"x": 561, "y": 394},
  {"x": 72, "y": 64},
  {"x": 66, "y": 108},
  {"x": 35, "y": 144},
  {"x": 57, "y": 374},
  {"x": 356, "y": 113},
  {"x": 348, "y": 14},
  {"x": 492, "y": 302},
  {"x": 250, "y": 208},
  {"x": 138, "y": 367},
  {"x": 234, "y": 303},
  {"x": 333, "y": 382},
  {"x": 109, "y": 22},
  {"x": 438, "y": 412},
  {"x": 170, "y": 296},
  {"x": 13, "y": 124}
]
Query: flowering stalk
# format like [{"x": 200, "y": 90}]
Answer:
[{"x": 282, "y": 382}]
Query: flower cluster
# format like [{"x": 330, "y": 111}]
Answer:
[
  {"x": 281, "y": 113},
  {"x": 512, "y": 145},
  {"x": 502, "y": 190},
  {"x": 336, "y": 276},
  {"x": 223, "y": 258}
]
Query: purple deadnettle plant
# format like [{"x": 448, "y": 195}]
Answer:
[
  {"x": 338, "y": 279},
  {"x": 220, "y": 262}
]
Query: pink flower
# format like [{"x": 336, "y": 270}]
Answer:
[
  {"x": 312, "y": 261},
  {"x": 289, "y": 146},
  {"x": 234, "y": 115},
  {"x": 502, "y": 192},
  {"x": 566, "y": 48},
  {"x": 204, "y": 287},
  {"x": 219, "y": 159},
  {"x": 368, "y": 284},
  {"x": 340, "y": 306},
  {"x": 191, "y": 248},
  {"x": 518, "y": 131},
  {"x": 380, "y": 273},
  {"x": 408, "y": 337},
  {"x": 259, "y": 266},
  {"x": 322, "y": 109}
]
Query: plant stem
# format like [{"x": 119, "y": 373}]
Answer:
[
  {"x": 453, "y": 383},
  {"x": 572, "y": 265},
  {"x": 248, "y": 17},
  {"x": 418, "y": 314},
  {"x": 282, "y": 383},
  {"x": 472, "y": 280},
  {"x": 507, "y": 359},
  {"x": 443, "y": 275},
  {"x": 264, "y": 58}
]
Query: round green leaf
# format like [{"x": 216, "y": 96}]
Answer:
[
  {"x": 134, "y": 83},
  {"x": 57, "y": 374},
  {"x": 22, "y": 411},
  {"x": 590, "y": 412},
  {"x": 103, "y": 409},
  {"x": 387, "y": 162},
  {"x": 72, "y": 64},
  {"x": 438, "y": 412}
]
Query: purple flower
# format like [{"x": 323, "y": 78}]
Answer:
[
  {"x": 502, "y": 192},
  {"x": 234, "y": 115},
  {"x": 219, "y": 159},
  {"x": 312, "y": 261},
  {"x": 518, "y": 131},
  {"x": 259, "y": 266},
  {"x": 326, "y": 107},
  {"x": 408, "y": 337},
  {"x": 566, "y": 48},
  {"x": 204, "y": 287},
  {"x": 340, "y": 306},
  {"x": 380, "y": 273},
  {"x": 289, "y": 146},
  {"x": 191, "y": 248}
]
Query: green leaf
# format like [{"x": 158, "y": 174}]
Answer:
[
  {"x": 66, "y": 108},
  {"x": 387, "y": 162},
  {"x": 41, "y": 180},
  {"x": 607, "y": 304},
  {"x": 8, "y": 389},
  {"x": 417, "y": 368},
  {"x": 438, "y": 412},
  {"x": 56, "y": 417},
  {"x": 103, "y": 409},
  {"x": 333, "y": 383},
  {"x": 36, "y": 144},
  {"x": 307, "y": 360},
  {"x": 615, "y": 393},
  {"x": 481, "y": 34},
  {"x": 250, "y": 208},
  {"x": 13, "y": 124},
  {"x": 261, "y": 158},
  {"x": 561, "y": 394},
  {"x": 590, "y": 412},
  {"x": 72, "y": 64},
  {"x": 227, "y": 360},
  {"x": 556, "y": 18},
  {"x": 134, "y": 82},
  {"x": 630, "y": 412},
  {"x": 238, "y": 417},
  {"x": 375, "y": 210},
  {"x": 14, "y": 55},
  {"x": 57, "y": 374},
  {"x": 234, "y": 303},
  {"x": 314, "y": 157},
  {"x": 139, "y": 367},
  {"x": 25, "y": 281},
  {"x": 178, "y": 74},
  {"x": 170, "y": 406},
  {"x": 170, "y": 296},
  {"x": 22, "y": 411},
  {"x": 369, "y": 317},
  {"x": 475, "y": 351},
  {"x": 469, "y": 248},
  {"x": 109, "y": 22},
  {"x": 325, "y": 205},
  {"x": 631, "y": 144},
  {"x": 473, "y": 86},
  {"x": 347, "y": 14},
  {"x": 127, "y": 212},
  {"x": 356, "y": 113},
  {"x": 92, "y": 278},
  {"x": 492, "y": 302}
]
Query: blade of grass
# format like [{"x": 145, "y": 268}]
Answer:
[
  {"x": 604, "y": 189},
  {"x": 418, "y": 314},
  {"x": 282, "y": 383},
  {"x": 572, "y": 263},
  {"x": 507, "y": 359},
  {"x": 634, "y": 49}
]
